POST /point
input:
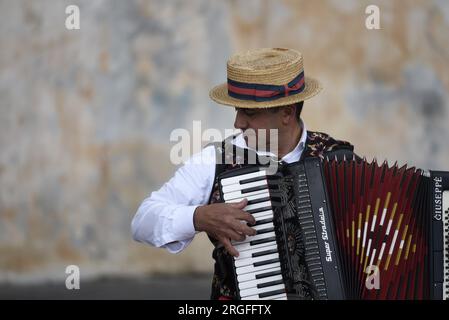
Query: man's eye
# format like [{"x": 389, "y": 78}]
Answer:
[
  {"x": 247, "y": 112},
  {"x": 250, "y": 112}
]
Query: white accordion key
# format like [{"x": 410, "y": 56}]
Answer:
[{"x": 237, "y": 179}]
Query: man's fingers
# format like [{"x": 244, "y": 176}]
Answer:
[
  {"x": 242, "y": 215},
  {"x": 240, "y": 205},
  {"x": 229, "y": 248},
  {"x": 236, "y": 236},
  {"x": 243, "y": 228}
]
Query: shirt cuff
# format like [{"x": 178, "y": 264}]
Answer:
[
  {"x": 177, "y": 246},
  {"x": 182, "y": 224}
]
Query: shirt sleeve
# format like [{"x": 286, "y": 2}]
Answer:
[{"x": 165, "y": 218}]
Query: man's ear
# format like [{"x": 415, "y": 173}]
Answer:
[{"x": 288, "y": 114}]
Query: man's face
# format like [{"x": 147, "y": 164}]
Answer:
[{"x": 257, "y": 119}]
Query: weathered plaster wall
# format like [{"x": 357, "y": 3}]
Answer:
[{"x": 85, "y": 116}]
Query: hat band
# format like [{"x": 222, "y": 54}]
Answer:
[{"x": 265, "y": 92}]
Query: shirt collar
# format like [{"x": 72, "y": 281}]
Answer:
[{"x": 292, "y": 156}]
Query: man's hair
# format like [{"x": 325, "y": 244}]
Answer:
[
  {"x": 299, "y": 106},
  {"x": 298, "y": 111}
]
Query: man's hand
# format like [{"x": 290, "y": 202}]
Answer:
[{"x": 224, "y": 222}]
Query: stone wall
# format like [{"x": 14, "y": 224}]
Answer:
[{"x": 86, "y": 115}]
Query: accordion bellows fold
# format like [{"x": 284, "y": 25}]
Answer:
[{"x": 382, "y": 219}]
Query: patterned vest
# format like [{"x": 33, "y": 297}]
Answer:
[{"x": 317, "y": 145}]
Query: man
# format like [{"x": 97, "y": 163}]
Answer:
[{"x": 267, "y": 88}]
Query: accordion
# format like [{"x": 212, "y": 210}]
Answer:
[{"x": 348, "y": 229}]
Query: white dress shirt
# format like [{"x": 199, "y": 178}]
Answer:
[{"x": 165, "y": 218}]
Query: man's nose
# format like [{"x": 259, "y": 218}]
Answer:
[{"x": 240, "y": 121}]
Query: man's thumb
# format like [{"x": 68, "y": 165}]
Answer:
[{"x": 240, "y": 205}]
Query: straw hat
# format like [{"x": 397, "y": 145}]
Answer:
[{"x": 265, "y": 78}]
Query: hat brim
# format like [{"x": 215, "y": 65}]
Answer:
[{"x": 220, "y": 95}]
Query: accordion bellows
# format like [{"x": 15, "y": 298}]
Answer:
[{"x": 383, "y": 218}]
